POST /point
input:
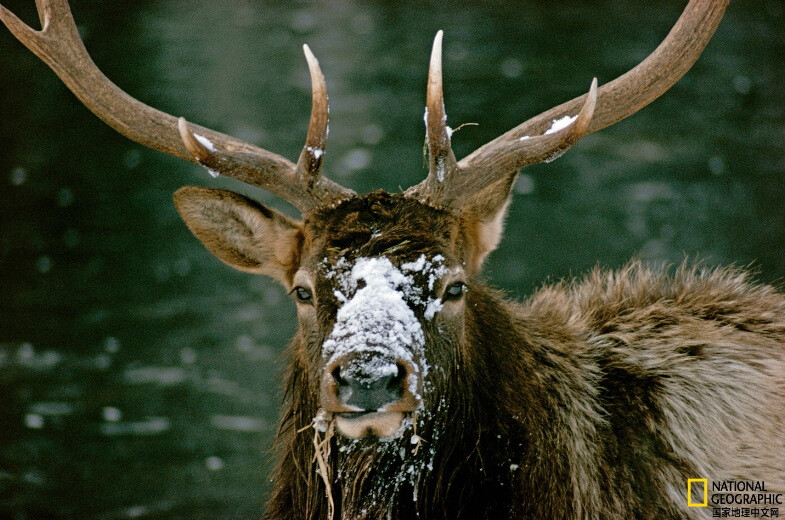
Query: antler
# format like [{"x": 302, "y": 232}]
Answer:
[
  {"x": 59, "y": 45},
  {"x": 451, "y": 184}
]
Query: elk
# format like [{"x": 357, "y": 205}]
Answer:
[{"x": 414, "y": 390}]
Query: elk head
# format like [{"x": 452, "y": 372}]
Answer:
[{"x": 379, "y": 280}]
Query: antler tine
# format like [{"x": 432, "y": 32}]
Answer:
[
  {"x": 59, "y": 45},
  {"x": 305, "y": 187},
  {"x": 466, "y": 183},
  {"x": 449, "y": 185},
  {"x": 442, "y": 163},
  {"x": 21, "y": 30},
  {"x": 309, "y": 165}
]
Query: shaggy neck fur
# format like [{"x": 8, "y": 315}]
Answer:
[
  {"x": 476, "y": 436},
  {"x": 596, "y": 399}
]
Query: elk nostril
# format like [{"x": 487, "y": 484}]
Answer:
[
  {"x": 337, "y": 376},
  {"x": 396, "y": 380}
]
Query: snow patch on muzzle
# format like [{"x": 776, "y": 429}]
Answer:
[
  {"x": 374, "y": 356},
  {"x": 377, "y": 319}
]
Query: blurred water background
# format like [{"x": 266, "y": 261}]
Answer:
[{"x": 140, "y": 377}]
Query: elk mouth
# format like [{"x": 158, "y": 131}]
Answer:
[
  {"x": 385, "y": 423},
  {"x": 352, "y": 415},
  {"x": 357, "y": 425}
]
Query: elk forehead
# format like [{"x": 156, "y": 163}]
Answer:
[{"x": 380, "y": 224}]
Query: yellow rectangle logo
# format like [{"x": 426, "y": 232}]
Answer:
[{"x": 705, "y": 502}]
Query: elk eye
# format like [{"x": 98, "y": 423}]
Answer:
[
  {"x": 303, "y": 295},
  {"x": 455, "y": 291}
]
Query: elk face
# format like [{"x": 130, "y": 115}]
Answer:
[
  {"x": 378, "y": 281},
  {"x": 383, "y": 278}
]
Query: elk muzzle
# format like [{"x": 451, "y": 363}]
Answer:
[
  {"x": 374, "y": 357},
  {"x": 370, "y": 393}
]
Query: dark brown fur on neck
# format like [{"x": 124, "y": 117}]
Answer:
[{"x": 563, "y": 407}]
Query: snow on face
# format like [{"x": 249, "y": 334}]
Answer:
[{"x": 378, "y": 322}]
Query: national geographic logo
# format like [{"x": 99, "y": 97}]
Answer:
[
  {"x": 734, "y": 498},
  {"x": 705, "y": 495}
]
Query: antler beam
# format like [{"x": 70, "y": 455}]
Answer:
[
  {"x": 59, "y": 45},
  {"x": 533, "y": 142}
]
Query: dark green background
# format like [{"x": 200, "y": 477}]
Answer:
[{"x": 108, "y": 304}]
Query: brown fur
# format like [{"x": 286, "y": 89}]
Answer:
[{"x": 594, "y": 399}]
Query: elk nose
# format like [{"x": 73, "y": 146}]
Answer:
[
  {"x": 367, "y": 382},
  {"x": 369, "y": 387}
]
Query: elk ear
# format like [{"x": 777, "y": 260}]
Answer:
[
  {"x": 485, "y": 213},
  {"x": 241, "y": 232}
]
